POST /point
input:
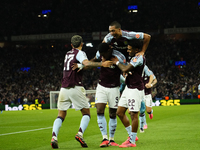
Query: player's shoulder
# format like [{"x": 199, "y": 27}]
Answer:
[
  {"x": 108, "y": 37},
  {"x": 73, "y": 51},
  {"x": 135, "y": 59},
  {"x": 132, "y": 34}
]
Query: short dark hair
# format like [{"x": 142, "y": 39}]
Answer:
[
  {"x": 116, "y": 24},
  {"x": 103, "y": 47},
  {"x": 135, "y": 43},
  {"x": 76, "y": 40}
]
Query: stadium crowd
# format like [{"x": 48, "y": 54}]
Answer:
[{"x": 20, "y": 85}]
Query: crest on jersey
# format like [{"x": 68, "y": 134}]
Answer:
[
  {"x": 125, "y": 43},
  {"x": 124, "y": 61},
  {"x": 134, "y": 60},
  {"x": 137, "y": 36}
]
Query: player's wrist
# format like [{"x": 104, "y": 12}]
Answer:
[
  {"x": 117, "y": 63},
  {"x": 151, "y": 85},
  {"x": 80, "y": 66}
]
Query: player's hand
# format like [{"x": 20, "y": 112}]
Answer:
[
  {"x": 103, "y": 59},
  {"x": 75, "y": 66},
  {"x": 148, "y": 85},
  {"x": 107, "y": 63},
  {"x": 139, "y": 53},
  {"x": 114, "y": 60}
]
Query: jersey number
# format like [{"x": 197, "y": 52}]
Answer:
[{"x": 68, "y": 59}]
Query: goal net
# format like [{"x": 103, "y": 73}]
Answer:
[{"x": 90, "y": 94}]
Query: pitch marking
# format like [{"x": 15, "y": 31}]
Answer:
[{"x": 24, "y": 131}]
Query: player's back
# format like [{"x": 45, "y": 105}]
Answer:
[{"x": 71, "y": 77}]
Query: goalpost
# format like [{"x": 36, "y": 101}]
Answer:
[{"x": 90, "y": 94}]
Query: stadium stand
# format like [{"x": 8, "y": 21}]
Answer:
[{"x": 19, "y": 84}]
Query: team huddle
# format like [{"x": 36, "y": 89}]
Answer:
[{"x": 120, "y": 53}]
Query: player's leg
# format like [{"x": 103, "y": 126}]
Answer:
[
  {"x": 63, "y": 105},
  {"x": 56, "y": 127},
  {"x": 113, "y": 100},
  {"x": 142, "y": 116},
  {"x": 134, "y": 99},
  {"x": 134, "y": 118},
  {"x": 80, "y": 102},
  {"x": 149, "y": 105},
  {"x": 102, "y": 123},
  {"x": 112, "y": 126},
  {"x": 83, "y": 126},
  {"x": 101, "y": 100},
  {"x": 121, "y": 110},
  {"x": 145, "y": 122}
]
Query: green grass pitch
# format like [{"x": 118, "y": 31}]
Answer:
[{"x": 172, "y": 128}]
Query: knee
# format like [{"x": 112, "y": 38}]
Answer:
[
  {"x": 112, "y": 115},
  {"x": 119, "y": 114},
  {"x": 148, "y": 110}
]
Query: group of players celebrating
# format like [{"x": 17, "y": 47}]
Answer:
[{"x": 121, "y": 52}]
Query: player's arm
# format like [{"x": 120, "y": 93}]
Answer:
[
  {"x": 154, "y": 82},
  {"x": 123, "y": 68},
  {"x": 88, "y": 63},
  {"x": 149, "y": 84},
  {"x": 146, "y": 40}
]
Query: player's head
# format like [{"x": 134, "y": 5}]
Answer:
[
  {"x": 76, "y": 41},
  {"x": 105, "y": 50},
  {"x": 115, "y": 29},
  {"x": 134, "y": 46}
]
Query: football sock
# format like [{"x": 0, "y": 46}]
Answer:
[
  {"x": 142, "y": 119},
  {"x": 128, "y": 129},
  {"x": 56, "y": 126},
  {"x": 101, "y": 120},
  {"x": 112, "y": 127},
  {"x": 84, "y": 123},
  {"x": 132, "y": 137},
  {"x": 145, "y": 122}
]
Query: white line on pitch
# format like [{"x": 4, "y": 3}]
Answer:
[{"x": 24, "y": 131}]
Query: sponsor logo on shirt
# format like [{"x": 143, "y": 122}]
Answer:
[{"x": 115, "y": 43}]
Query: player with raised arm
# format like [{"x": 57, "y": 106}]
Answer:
[
  {"x": 133, "y": 93},
  {"x": 149, "y": 81},
  {"x": 72, "y": 90},
  {"x": 118, "y": 38}
]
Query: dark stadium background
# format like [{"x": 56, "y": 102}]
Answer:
[{"x": 32, "y": 47}]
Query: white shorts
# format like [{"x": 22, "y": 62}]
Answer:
[
  {"x": 110, "y": 95},
  {"x": 131, "y": 98},
  {"x": 148, "y": 100},
  {"x": 75, "y": 95}
]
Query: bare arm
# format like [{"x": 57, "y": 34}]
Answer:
[
  {"x": 124, "y": 68},
  {"x": 148, "y": 85},
  {"x": 146, "y": 41},
  {"x": 88, "y": 63},
  {"x": 154, "y": 82}
]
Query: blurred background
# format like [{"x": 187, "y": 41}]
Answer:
[{"x": 35, "y": 36}]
